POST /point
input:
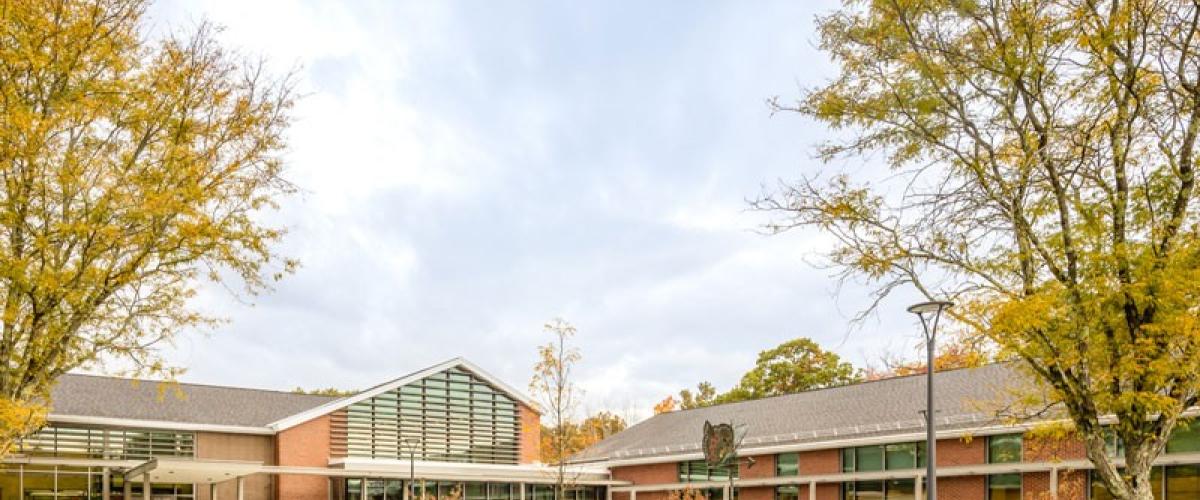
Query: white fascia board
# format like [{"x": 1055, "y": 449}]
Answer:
[
  {"x": 338, "y": 404},
  {"x": 534, "y": 472},
  {"x": 157, "y": 424}
]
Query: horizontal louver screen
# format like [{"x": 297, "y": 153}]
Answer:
[{"x": 453, "y": 415}]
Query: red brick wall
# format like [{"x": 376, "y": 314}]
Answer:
[
  {"x": 821, "y": 462},
  {"x": 952, "y": 452},
  {"x": 531, "y": 435},
  {"x": 764, "y": 466},
  {"x": 646, "y": 474},
  {"x": 306, "y": 444}
]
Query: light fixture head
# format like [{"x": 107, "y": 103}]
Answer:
[{"x": 933, "y": 306}]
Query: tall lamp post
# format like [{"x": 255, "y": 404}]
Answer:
[
  {"x": 411, "y": 443},
  {"x": 930, "y": 313}
]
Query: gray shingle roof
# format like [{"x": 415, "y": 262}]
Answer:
[
  {"x": 966, "y": 398},
  {"x": 112, "y": 397}
]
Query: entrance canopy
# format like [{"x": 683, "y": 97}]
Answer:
[{"x": 164, "y": 470}]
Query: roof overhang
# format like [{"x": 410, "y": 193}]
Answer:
[
  {"x": 202, "y": 471},
  {"x": 338, "y": 404},
  {"x": 157, "y": 424},
  {"x": 528, "y": 473},
  {"x": 163, "y": 470}
]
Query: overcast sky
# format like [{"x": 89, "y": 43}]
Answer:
[{"x": 473, "y": 169}]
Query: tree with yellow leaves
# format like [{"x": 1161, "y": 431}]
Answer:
[
  {"x": 1043, "y": 160},
  {"x": 553, "y": 383},
  {"x": 130, "y": 171}
]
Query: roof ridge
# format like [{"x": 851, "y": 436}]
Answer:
[{"x": 200, "y": 384}]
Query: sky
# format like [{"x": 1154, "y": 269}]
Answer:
[{"x": 470, "y": 170}]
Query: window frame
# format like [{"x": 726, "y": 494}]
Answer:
[
  {"x": 987, "y": 485},
  {"x": 1020, "y": 448}
]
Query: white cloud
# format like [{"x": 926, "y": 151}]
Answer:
[{"x": 471, "y": 170}]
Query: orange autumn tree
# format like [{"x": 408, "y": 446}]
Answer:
[
  {"x": 952, "y": 353},
  {"x": 131, "y": 170},
  {"x": 667, "y": 405},
  {"x": 1043, "y": 176},
  {"x": 579, "y": 436}
]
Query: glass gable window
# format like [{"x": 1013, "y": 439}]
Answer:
[
  {"x": 453, "y": 415},
  {"x": 111, "y": 444},
  {"x": 1004, "y": 449},
  {"x": 787, "y": 464}
]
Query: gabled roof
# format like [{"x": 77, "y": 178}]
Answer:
[
  {"x": 966, "y": 399},
  {"x": 128, "y": 402},
  {"x": 332, "y": 406}
]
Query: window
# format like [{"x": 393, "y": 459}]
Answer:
[
  {"x": 787, "y": 492},
  {"x": 787, "y": 464},
  {"x": 879, "y": 457},
  {"x": 868, "y": 458},
  {"x": 1004, "y": 449},
  {"x": 862, "y": 490},
  {"x": 1183, "y": 482},
  {"x": 900, "y": 489},
  {"x": 1113, "y": 446},
  {"x": 698, "y": 470},
  {"x": 904, "y": 456},
  {"x": 112, "y": 444},
  {"x": 1186, "y": 437},
  {"x": 892, "y": 489},
  {"x": 1004, "y": 487}
]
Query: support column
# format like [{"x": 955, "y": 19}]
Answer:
[
  {"x": 145, "y": 486},
  {"x": 1054, "y": 483},
  {"x": 241, "y": 488},
  {"x": 127, "y": 490},
  {"x": 920, "y": 488},
  {"x": 812, "y": 490},
  {"x": 522, "y": 496},
  {"x": 725, "y": 493},
  {"x": 608, "y": 493},
  {"x": 105, "y": 494},
  {"x": 632, "y": 495},
  {"x": 212, "y": 491}
]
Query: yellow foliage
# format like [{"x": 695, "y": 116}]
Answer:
[
  {"x": 130, "y": 169},
  {"x": 1043, "y": 178}
]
